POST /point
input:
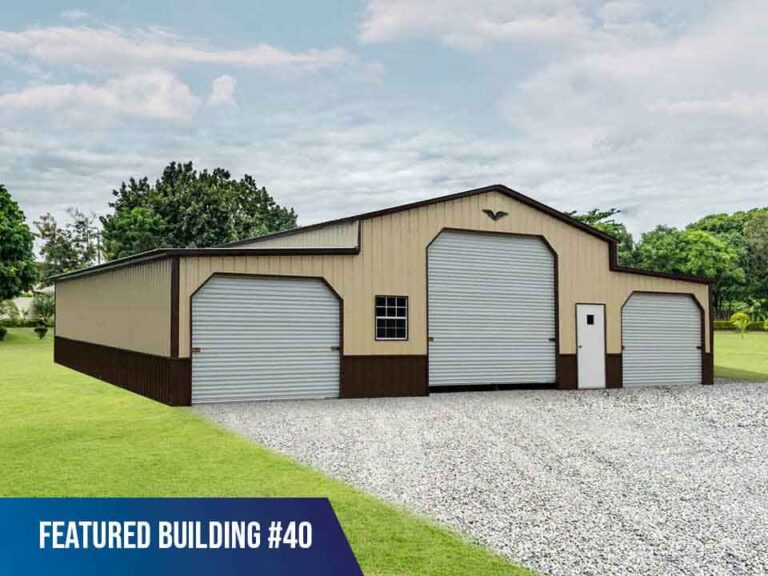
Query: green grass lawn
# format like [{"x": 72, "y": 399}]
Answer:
[
  {"x": 741, "y": 358},
  {"x": 65, "y": 434}
]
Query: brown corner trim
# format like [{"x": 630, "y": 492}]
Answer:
[{"x": 166, "y": 380}]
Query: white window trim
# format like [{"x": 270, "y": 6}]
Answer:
[{"x": 376, "y": 319}]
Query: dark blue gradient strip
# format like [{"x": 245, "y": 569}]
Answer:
[{"x": 20, "y": 551}]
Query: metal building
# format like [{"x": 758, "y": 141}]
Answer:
[{"x": 483, "y": 288}]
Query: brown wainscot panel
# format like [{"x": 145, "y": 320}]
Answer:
[
  {"x": 707, "y": 368},
  {"x": 614, "y": 377},
  {"x": 375, "y": 376},
  {"x": 567, "y": 372},
  {"x": 167, "y": 380}
]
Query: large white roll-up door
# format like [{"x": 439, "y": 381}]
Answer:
[
  {"x": 260, "y": 338},
  {"x": 661, "y": 337},
  {"x": 491, "y": 310}
]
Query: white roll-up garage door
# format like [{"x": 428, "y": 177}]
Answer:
[
  {"x": 491, "y": 310},
  {"x": 661, "y": 338},
  {"x": 264, "y": 338}
]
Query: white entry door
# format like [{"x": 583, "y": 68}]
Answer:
[{"x": 590, "y": 336}]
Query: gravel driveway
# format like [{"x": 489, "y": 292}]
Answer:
[{"x": 654, "y": 481}]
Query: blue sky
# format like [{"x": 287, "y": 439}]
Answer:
[{"x": 341, "y": 107}]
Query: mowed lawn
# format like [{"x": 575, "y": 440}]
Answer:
[
  {"x": 65, "y": 434},
  {"x": 741, "y": 358}
]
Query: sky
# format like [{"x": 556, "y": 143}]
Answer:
[{"x": 656, "y": 108}]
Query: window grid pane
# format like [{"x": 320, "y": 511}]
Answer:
[{"x": 391, "y": 317}]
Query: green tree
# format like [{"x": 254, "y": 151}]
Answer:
[
  {"x": 186, "y": 208},
  {"x": 74, "y": 246},
  {"x": 692, "y": 252},
  {"x": 603, "y": 221},
  {"x": 17, "y": 259},
  {"x": 756, "y": 238}
]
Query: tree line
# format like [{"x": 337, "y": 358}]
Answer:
[
  {"x": 731, "y": 249},
  {"x": 187, "y": 208}
]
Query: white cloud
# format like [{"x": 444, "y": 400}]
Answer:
[
  {"x": 223, "y": 91},
  {"x": 106, "y": 49},
  {"x": 471, "y": 24},
  {"x": 737, "y": 105},
  {"x": 75, "y": 15},
  {"x": 154, "y": 94}
]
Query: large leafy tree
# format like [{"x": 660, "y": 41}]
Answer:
[
  {"x": 733, "y": 230},
  {"x": 17, "y": 259},
  {"x": 756, "y": 238},
  {"x": 603, "y": 220},
  {"x": 692, "y": 252},
  {"x": 189, "y": 208},
  {"x": 70, "y": 247}
]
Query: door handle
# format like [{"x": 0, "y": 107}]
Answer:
[
  {"x": 553, "y": 339},
  {"x": 580, "y": 346},
  {"x": 336, "y": 348},
  {"x": 430, "y": 338},
  {"x": 196, "y": 350}
]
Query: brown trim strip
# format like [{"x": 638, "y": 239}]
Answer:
[
  {"x": 446, "y": 198},
  {"x": 383, "y": 375},
  {"x": 293, "y": 231},
  {"x": 234, "y": 251},
  {"x": 167, "y": 380},
  {"x": 613, "y": 264},
  {"x": 177, "y": 252}
]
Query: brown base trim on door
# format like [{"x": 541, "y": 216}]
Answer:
[
  {"x": 167, "y": 380},
  {"x": 614, "y": 377},
  {"x": 383, "y": 375},
  {"x": 707, "y": 368},
  {"x": 567, "y": 372}
]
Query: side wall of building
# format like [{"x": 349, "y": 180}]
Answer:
[
  {"x": 117, "y": 326},
  {"x": 127, "y": 308}
]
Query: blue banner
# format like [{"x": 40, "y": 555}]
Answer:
[{"x": 151, "y": 536}]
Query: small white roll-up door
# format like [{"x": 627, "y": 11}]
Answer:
[
  {"x": 491, "y": 310},
  {"x": 661, "y": 338},
  {"x": 264, "y": 338}
]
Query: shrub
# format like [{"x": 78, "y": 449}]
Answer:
[
  {"x": 45, "y": 307},
  {"x": 741, "y": 321},
  {"x": 20, "y": 323},
  {"x": 3, "y": 332},
  {"x": 41, "y": 331},
  {"x": 9, "y": 310}
]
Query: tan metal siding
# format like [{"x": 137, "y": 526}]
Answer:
[
  {"x": 128, "y": 308},
  {"x": 393, "y": 261},
  {"x": 343, "y": 235}
]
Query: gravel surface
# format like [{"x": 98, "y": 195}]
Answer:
[{"x": 656, "y": 481}]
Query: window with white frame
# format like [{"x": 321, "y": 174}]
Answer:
[{"x": 391, "y": 318}]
